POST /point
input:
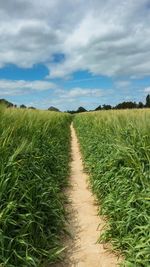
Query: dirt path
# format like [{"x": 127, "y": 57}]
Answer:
[{"x": 85, "y": 225}]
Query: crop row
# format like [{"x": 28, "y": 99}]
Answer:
[
  {"x": 34, "y": 156},
  {"x": 116, "y": 151}
]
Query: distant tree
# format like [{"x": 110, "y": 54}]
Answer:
[
  {"x": 53, "y": 109},
  {"x": 107, "y": 107},
  {"x": 98, "y": 108},
  {"x": 126, "y": 105},
  {"x": 6, "y": 103},
  {"x": 147, "y": 101},
  {"x": 23, "y": 106},
  {"x": 71, "y": 111},
  {"x": 31, "y": 108},
  {"x": 81, "y": 109},
  {"x": 140, "y": 105}
]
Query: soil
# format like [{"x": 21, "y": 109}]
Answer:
[{"x": 84, "y": 224}]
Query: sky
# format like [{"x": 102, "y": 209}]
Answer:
[{"x": 74, "y": 53}]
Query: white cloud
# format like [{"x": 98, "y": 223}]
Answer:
[
  {"x": 80, "y": 92},
  {"x": 123, "y": 84},
  {"x": 75, "y": 97},
  {"x": 108, "y": 37},
  {"x": 147, "y": 90},
  {"x": 16, "y": 87}
]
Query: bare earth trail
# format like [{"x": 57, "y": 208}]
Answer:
[{"x": 84, "y": 224}]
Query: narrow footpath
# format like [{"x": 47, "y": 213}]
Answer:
[{"x": 85, "y": 226}]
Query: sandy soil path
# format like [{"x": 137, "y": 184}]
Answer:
[{"x": 85, "y": 225}]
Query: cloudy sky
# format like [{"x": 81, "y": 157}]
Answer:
[{"x": 74, "y": 52}]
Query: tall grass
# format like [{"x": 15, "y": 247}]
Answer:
[
  {"x": 34, "y": 156},
  {"x": 116, "y": 149}
]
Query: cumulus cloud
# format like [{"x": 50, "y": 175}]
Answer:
[
  {"x": 77, "y": 96},
  {"x": 147, "y": 90},
  {"x": 12, "y": 87},
  {"x": 104, "y": 37},
  {"x": 80, "y": 92}
]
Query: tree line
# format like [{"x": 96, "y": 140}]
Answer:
[{"x": 122, "y": 105}]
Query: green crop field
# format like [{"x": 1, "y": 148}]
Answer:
[
  {"x": 34, "y": 170},
  {"x": 116, "y": 151},
  {"x": 34, "y": 156}
]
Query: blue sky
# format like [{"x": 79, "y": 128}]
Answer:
[{"x": 74, "y": 53}]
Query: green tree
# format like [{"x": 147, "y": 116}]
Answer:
[
  {"x": 148, "y": 101},
  {"x": 53, "y": 109},
  {"x": 140, "y": 105},
  {"x": 23, "y": 106},
  {"x": 126, "y": 105},
  {"x": 106, "y": 107},
  {"x": 81, "y": 109},
  {"x": 98, "y": 108}
]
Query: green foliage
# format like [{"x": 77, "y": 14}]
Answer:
[
  {"x": 5, "y": 103},
  {"x": 148, "y": 101},
  {"x": 34, "y": 156},
  {"x": 53, "y": 109},
  {"x": 116, "y": 149}
]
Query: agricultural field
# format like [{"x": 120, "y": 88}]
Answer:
[
  {"x": 116, "y": 152},
  {"x": 34, "y": 157}
]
